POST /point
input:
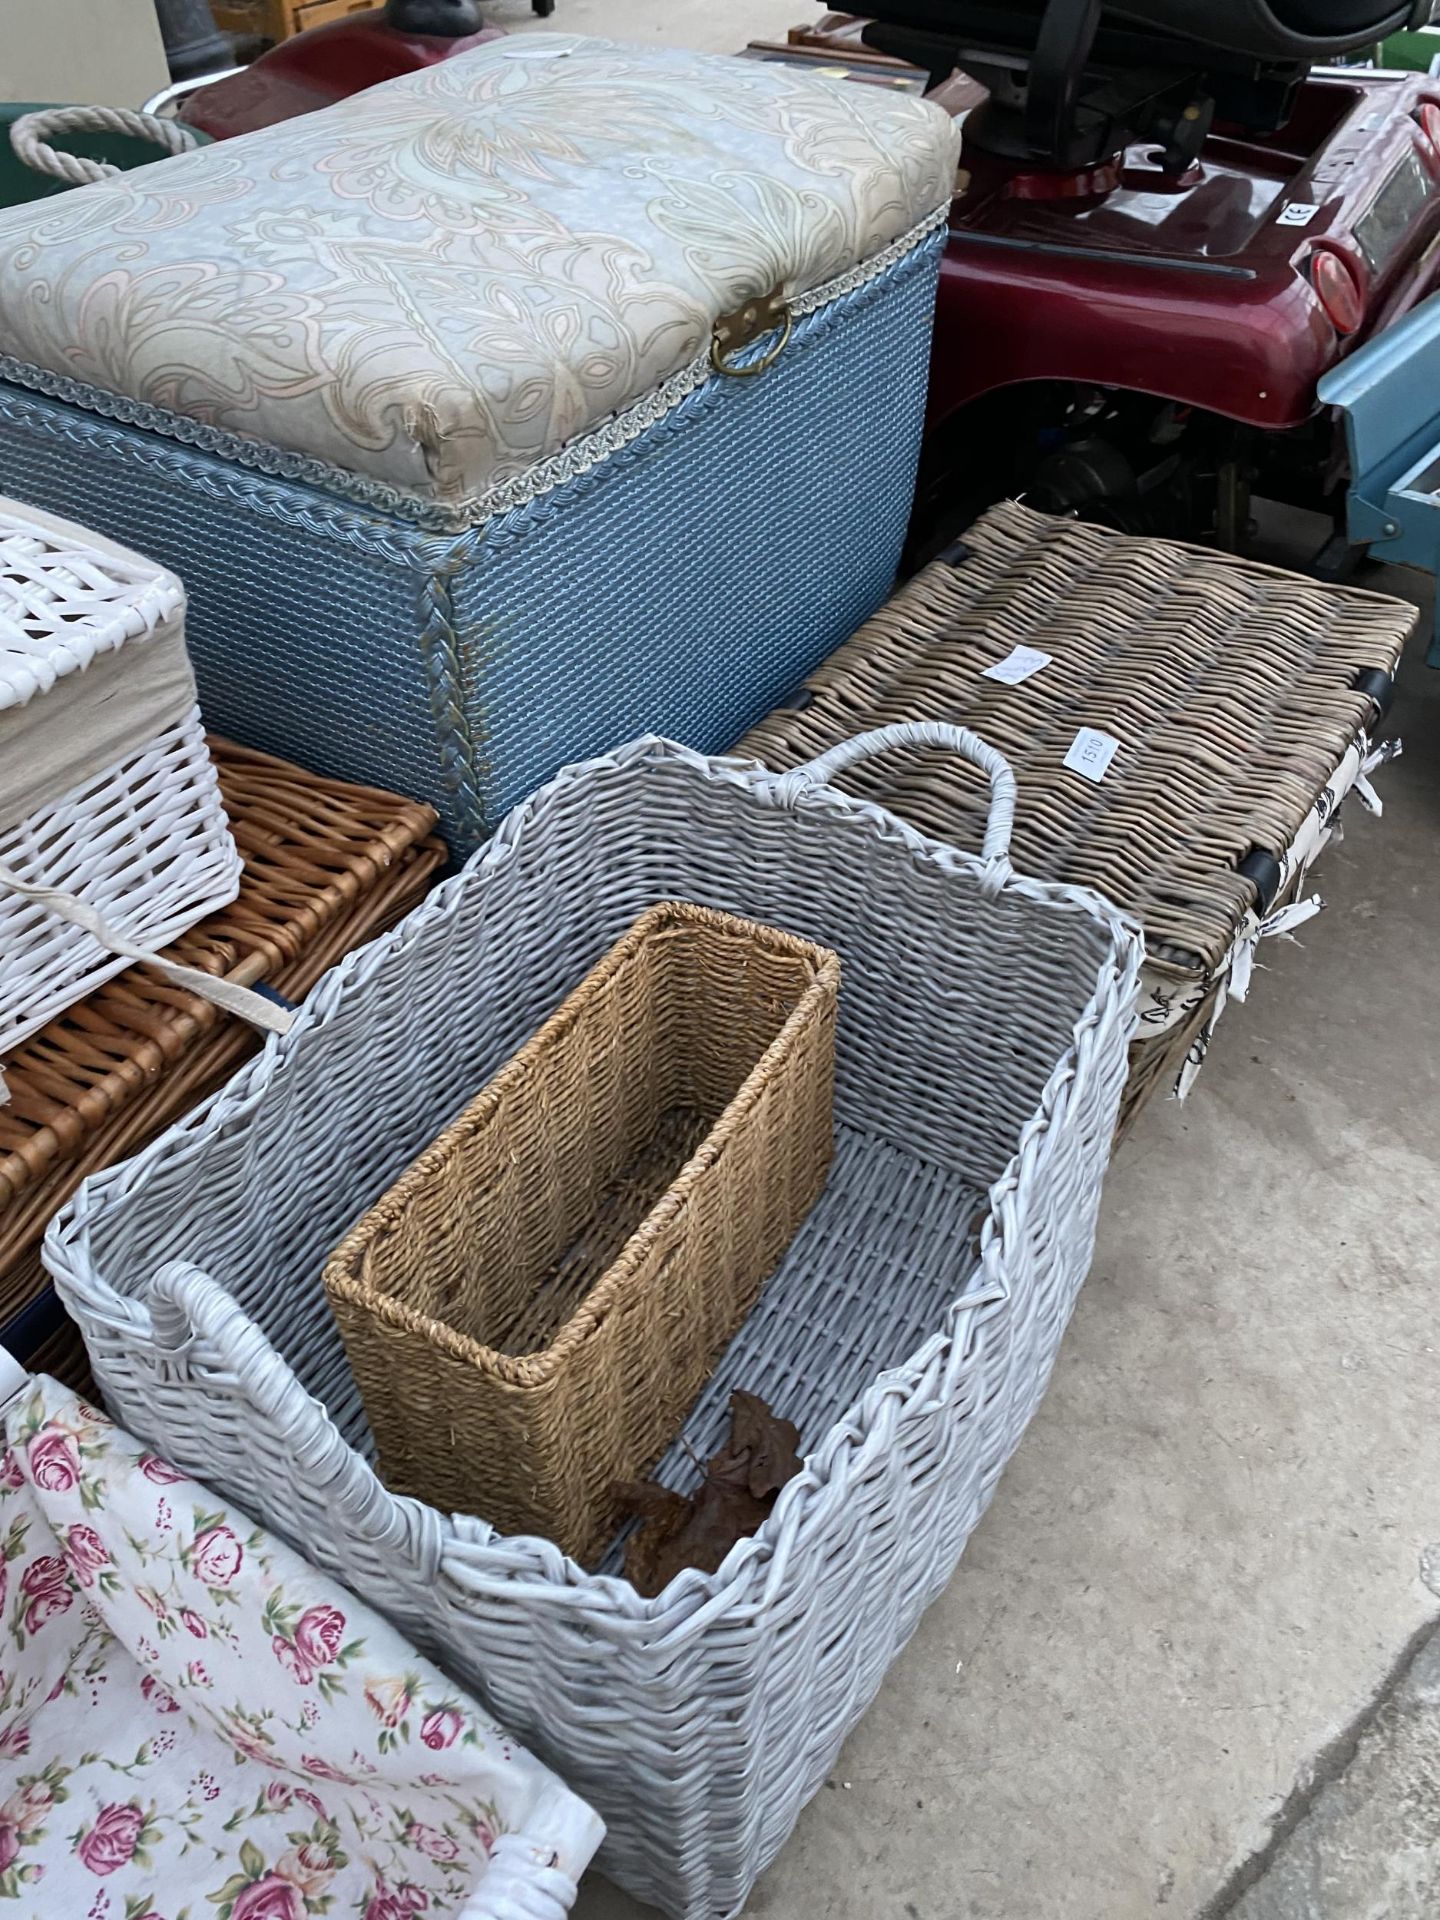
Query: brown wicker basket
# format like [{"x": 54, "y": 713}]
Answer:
[
  {"x": 326, "y": 867},
  {"x": 533, "y": 1307},
  {"x": 1236, "y": 691}
]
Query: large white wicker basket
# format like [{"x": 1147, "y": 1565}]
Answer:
[
  {"x": 107, "y": 793},
  {"x": 909, "y": 1332}
]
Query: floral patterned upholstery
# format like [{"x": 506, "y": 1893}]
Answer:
[
  {"x": 440, "y": 281},
  {"x": 192, "y": 1721}
]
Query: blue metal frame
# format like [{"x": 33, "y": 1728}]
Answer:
[{"x": 1389, "y": 394}]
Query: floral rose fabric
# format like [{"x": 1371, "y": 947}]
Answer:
[
  {"x": 195, "y": 1723},
  {"x": 441, "y": 280}
]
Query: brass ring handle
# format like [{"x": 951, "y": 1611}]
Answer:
[{"x": 772, "y": 353}]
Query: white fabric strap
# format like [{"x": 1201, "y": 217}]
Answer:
[
  {"x": 1388, "y": 750},
  {"x": 1235, "y": 980},
  {"x": 254, "y": 1007},
  {"x": 1320, "y": 826},
  {"x": 523, "y": 1883},
  {"x": 1279, "y": 924}
]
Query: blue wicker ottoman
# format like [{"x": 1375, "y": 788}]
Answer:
[{"x": 488, "y": 416}]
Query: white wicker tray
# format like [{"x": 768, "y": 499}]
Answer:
[{"x": 106, "y": 788}]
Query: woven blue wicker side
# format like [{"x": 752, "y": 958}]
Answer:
[
  {"x": 288, "y": 593},
  {"x": 681, "y": 586},
  {"x": 686, "y": 585}
]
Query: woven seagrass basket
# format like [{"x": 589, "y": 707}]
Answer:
[
  {"x": 326, "y": 866},
  {"x": 1240, "y": 696},
  {"x": 531, "y": 1309}
]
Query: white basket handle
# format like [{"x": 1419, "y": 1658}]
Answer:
[
  {"x": 261, "y": 1011},
  {"x": 820, "y": 772},
  {"x": 31, "y": 134},
  {"x": 186, "y": 1306}
]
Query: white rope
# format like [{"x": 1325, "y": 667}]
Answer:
[
  {"x": 253, "y": 1007},
  {"x": 30, "y": 138}
]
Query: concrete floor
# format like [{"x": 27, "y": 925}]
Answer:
[
  {"x": 1222, "y": 1532},
  {"x": 718, "y": 25},
  {"x": 1366, "y": 1846}
]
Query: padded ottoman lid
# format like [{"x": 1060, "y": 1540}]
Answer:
[{"x": 439, "y": 282}]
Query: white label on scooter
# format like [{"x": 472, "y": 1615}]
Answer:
[
  {"x": 1299, "y": 213},
  {"x": 1017, "y": 665},
  {"x": 1091, "y": 753}
]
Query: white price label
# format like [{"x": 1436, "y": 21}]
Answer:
[
  {"x": 1091, "y": 752},
  {"x": 1299, "y": 213},
  {"x": 1017, "y": 665}
]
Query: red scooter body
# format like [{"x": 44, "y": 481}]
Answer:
[
  {"x": 316, "y": 68},
  {"x": 1197, "y": 290}
]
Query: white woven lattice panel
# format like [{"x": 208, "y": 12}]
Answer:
[
  {"x": 106, "y": 786},
  {"x": 67, "y": 596}
]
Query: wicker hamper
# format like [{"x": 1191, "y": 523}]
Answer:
[
  {"x": 908, "y": 1332},
  {"x": 531, "y": 1310},
  {"x": 484, "y": 412},
  {"x": 326, "y": 866},
  {"x": 1241, "y": 698},
  {"x": 106, "y": 789}
]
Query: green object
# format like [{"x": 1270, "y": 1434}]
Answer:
[
  {"x": 19, "y": 183},
  {"x": 1411, "y": 52}
]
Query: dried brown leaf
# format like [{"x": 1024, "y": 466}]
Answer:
[
  {"x": 733, "y": 1500},
  {"x": 664, "y": 1514},
  {"x": 767, "y": 1442},
  {"x": 651, "y": 1501}
]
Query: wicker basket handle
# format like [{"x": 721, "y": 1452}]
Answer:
[
  {"x": 189, "y": 1311},
  {"x": 31, "y": 134},
  {"x": 995, "y": 849}
]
